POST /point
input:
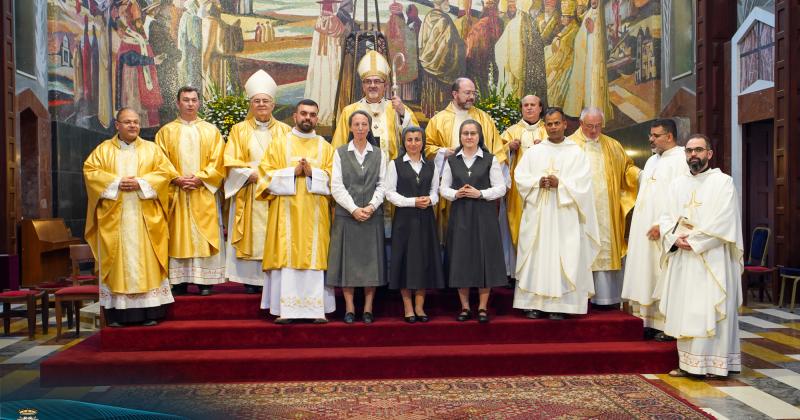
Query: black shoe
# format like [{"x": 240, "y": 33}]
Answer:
[
  {"x": 556, "y": 316},
  {"x": 320, "y": 321},
  {"x": 534, "y": 314},
  {"x": 150, "y": 323},
  {"x": 423, "y": 318},
  {"x": 661, "y": 337},
  {"x": 349, "y": 318},
  {"x": 251, "y": 290},
  {"x": 114, "y": 324},
  {"x": 483, "y": 316},
  {"x": 368, "y": 318},
  {"x": 204, "y": 290},
  {"x": 410, "y": 319},
  {"x": 650, "y": 333},
  {"x": 179, "y": 289},
  {"x": 283, "y": 321},
  {"x": 464, "y": 315}
]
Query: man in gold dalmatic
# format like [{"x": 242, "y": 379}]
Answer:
[
  {"x": 247, "y": 220},
  {"x": 127, "y": 181},
  {"x": 517, "y": 139},
  {"x": 297, "y": 169},
  {"x": 588, "y": 82},
  {"x": 195, "y": 148},
  {"x": 615, "y": 182},
  {"x": 559, "y": 63},
  {"x": 442, "y": 136}
]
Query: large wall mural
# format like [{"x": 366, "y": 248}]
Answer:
[{"x": 106, "y": 54}]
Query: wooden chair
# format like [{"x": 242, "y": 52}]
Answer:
[
  {"x": 792, "y": 274},
  {"x": 29, "y": 298},
  {"x": 78, "y": 292},
  {"x": 756, "y": 264}
]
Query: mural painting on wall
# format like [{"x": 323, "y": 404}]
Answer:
[{"x": 106, "y": 54}]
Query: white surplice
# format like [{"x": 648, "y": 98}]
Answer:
[
  {"x": 642, "y": 268},
  {"x": 702, "y": 291},
  {"x": 558, "y": 238}
]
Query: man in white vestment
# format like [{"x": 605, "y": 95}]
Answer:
[
  {"x": 247, "y": 218},
  {"x": 297, "y": 169},
  {"x": 703, "y": 250},
  {"x": 642, "y": 267},
  {"x": 558, "y": 236},
  {"x": 615, "y": 184},
  {"x": 196, "y": 150}
]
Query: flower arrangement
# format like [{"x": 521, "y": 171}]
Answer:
[
  {"x": 503, "y": 108},
  {"x": 225, "y": 110}
]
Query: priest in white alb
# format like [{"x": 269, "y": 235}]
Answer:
[
  {"x": 297, "y": 168},
  {"x": 642, "y": 266},
  {"x": 703, "y": 252},
  {"x": 558, "y": 235},
  {"x": 195, "y": 148},
  {"x": 247, "y": 218},
  {"x": 127, "y": 182}
]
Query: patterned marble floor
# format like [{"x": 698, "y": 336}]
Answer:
[{"x": 768, "y": 387}]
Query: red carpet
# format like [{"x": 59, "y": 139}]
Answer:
[{"x": 225, "y": 338}]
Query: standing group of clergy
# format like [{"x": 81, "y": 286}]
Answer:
[{"x": 560, "y": 231}]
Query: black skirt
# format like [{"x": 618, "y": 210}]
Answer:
[{"x": 416, "y": 255}]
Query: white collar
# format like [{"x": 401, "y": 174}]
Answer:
[
  {"x": 184, "y": 122},
  {"x": 479, "y": 153},
  {"x": 406, "y": 158},
  {"x": 302, "y": 135},
  {"x": 123, "y": 145},
  {"x": 674, "y": 151},
  {"x": 529, "y": 126},
  {"x": 262, "y": 125},
  {"x": 352, "y": 147}
]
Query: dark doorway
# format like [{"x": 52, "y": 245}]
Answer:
[
  {"x": 28, "y": 127},
  {"x": 758, "y": 182}
]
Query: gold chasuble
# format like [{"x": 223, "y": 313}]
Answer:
[
  {"x": 385, "y": 124},
  {"x": 559, "y": 64},
  {"x": 442, "y": 133},
  {"x": 194, "y": 148},
  {"x": 620, "y": 178},
  {"x": 299, "y": 220},
  {"x": 527, "y": 134},
  {"x": 132, "y": 255},
  {"x": 247, "y": 144}
]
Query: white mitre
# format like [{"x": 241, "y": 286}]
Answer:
[
  {"x": 260, "y": 82},
  {"x": 373, "y": 64}
]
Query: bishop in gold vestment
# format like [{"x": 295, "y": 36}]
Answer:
[
  {"x": 247, "y": 219},
  {"x": 195, "y": 148},
  {"x": 127, "y": 182},
  {"x": 615, "y": 181},
  {"x": 297, "y": 169}
]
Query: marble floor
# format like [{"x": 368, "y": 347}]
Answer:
[{"x": 768, "y": 386}]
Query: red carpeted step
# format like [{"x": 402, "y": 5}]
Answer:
[
  {"x": 84, "y": 364},
  {"x": 230, "y": 302},
  {"x": 246, "y": 333}
]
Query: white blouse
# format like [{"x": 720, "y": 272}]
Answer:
[
  {"x": 400, "y": 200},
  {"x": 497, "y": 190}
]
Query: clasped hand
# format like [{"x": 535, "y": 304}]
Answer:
[
  {"x": 362, "y": 214},
  {"x": 468, "y": 191},
  {"x": 682, "y": 243},
  {"x": 188, "y": 183},
  {"x": 422, "y": 202},
  {"x": 129, "y": 183},
  {"x": 549, "y": 181},
  {"x": 303, "y": 168}
]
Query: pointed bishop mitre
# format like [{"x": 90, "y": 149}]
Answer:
[
  {"x": 374, "y": 64},
  {"x": 568, "y": 8},
  {"x": 260, "y": 82}
]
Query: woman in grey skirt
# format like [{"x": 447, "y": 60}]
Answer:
[
  {"x": 472, "y": 180},
  {"x": 356, "y": 251}
]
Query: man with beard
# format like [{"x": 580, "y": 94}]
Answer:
[
  {"x": 443, "y": 138},
  {"x": 701, "y": 235},
  {"x": 297, "y": 169}
]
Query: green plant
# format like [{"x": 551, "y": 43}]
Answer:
[
  {"x": 503, "y": 108},
  {"x": 225, "y": 110}
]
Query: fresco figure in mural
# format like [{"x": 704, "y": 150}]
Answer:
[
  {"x": 549, "y": 21},
  {"x": 136, "y": 81},
  {"x": 190, "y": 42},
  {"x": 164, "y": 45},
  {"x": 615, "y": 182},
  {"x": 442, "y": 56},
  {"x": 443, "y": 136},
  {"x": 195, "y": 148},
  {"x": 559, "y": 63},
  {"x": 258, "y": 33},
  {"x": 244, "y": 7},
  {"x": 247, "y": 143},
  {"x": 464, "y": 21},
  {"x": 558, "y": 232},
  {"x": 507, "y": 10},
  {"x": 414, "y": 22},
  {"x": 643, "y": 271},
  {"x": 402, "y": 39},
  {"x": 480, "y": 44},
  {"x": 326, "y": 58},
  {"x": 588, "y": 82},
  {"x": 127, "y": 183},
  {"x": 519, "y": 54},
  {"x": 517, "y": 139}
]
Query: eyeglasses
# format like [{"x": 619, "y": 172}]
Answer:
[
  {"x": 697, "y": 150},
  {"x": 656, "y": 135},
  {"x": 371, "y": 82},
  {"x": 261, "y": 101},
  {"x": 593, "y": 126},
  {"x": 129, "y": 122}
]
